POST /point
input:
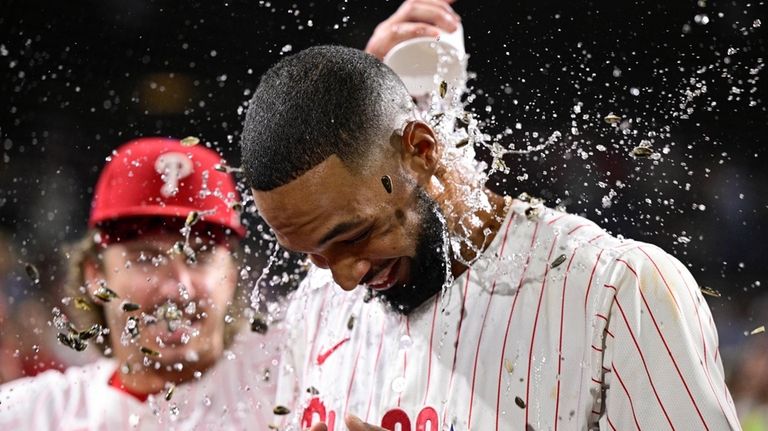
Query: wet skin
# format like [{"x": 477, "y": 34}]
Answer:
[
  {"x": 349, "y": 223},
  {"x": 143, "y": 272}
]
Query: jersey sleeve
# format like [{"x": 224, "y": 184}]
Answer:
[
  {"x": 30, "y": 403},
  {"x": 661, "y": 365}
]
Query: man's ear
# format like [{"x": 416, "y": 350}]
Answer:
[
  {"x": 420, "y": 150},
  {"x": 92, "y": 274}
]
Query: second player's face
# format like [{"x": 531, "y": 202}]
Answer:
[{"x": 182, "y": 305}]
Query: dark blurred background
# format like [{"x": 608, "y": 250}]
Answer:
[{"x": 79, "y": 78}]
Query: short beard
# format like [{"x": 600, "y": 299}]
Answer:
[{"x": 429, "y": 270}]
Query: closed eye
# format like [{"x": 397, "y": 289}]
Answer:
[{"x": 360, "y": 238}]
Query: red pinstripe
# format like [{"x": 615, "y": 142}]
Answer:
[
  {"x": 597, "y": 381},
  {"x": 431, "y": 336},
  {"x": 577, "y": 228},
  {"x": 509, "y": 322},
  {"x": 535, "y": 324},
  {"x": 601, "y": 316},
  {"x": 595, "y": 238},
  {"x": 551, "y": 222},
  {"x": 375, "y": 369},
  {"x": 312, "y": 350},
  {"x": 482, "y": 327},
  {"x": 608, "y": 418},
  {"x": 458, "y": 335},
  {"x": 560, "y": 343},
  {"x": 352, "y": 377},
  {"x": 642, "y": 359},
  {"x": 666, "y": 346},
  {"x": 589, "y": 283},
  {"x": 701, "y": 331},
  {"x": 629, "y": 398}
]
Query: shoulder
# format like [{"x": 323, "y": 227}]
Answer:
[
  {"x": 547, "y": 231},
  {"x": 40, "y": 394}
]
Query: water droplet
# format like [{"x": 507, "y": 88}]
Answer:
[{"x": 398, "y": 384}]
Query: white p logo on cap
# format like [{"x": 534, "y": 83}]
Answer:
[{"x": 172, "y": 167}]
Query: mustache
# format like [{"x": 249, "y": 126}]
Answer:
[{"x": 171, "y": 309}]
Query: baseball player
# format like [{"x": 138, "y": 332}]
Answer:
[
  {"x": 154, "y": 286},
  {"x": 436, "y": 304}
]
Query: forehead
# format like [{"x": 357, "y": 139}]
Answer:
[{"x": 301, "y": 211}]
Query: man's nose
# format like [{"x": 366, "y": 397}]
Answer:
[
  {"x": 348, "y": 272},
  {"x": 179, "y": 282}
]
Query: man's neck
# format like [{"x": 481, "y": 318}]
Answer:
[{"x": 461, "y": 217}]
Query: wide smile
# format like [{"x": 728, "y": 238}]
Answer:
[{"x": 386, "y": 277}]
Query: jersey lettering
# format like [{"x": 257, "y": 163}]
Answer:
[{"x": 393, "y": 420}]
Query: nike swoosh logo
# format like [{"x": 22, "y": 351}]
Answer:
[{"x": 323, "y": 356}]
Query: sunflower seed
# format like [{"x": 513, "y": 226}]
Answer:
[
  {"x": 89, "y": 333},
  {"x": 221, "y": 167},
  {"x": 104, "y": 293},
  {"x": 169, "y": 392},
  {"x": 387, "y": 183},
  {"x": 178, "y": 248},
  {"x": 236, "y": 206},
  {"x": 32, "y": 273},
  {"x": 132, "y": 327},
  {"x": 189, "y": 141},
  {"x": 443, "y": 88},
  {"x": 73, "y": 343},
  {"x": 313, "y": 390},
  {"x": 642, "y": 151},
  {"x": 171, "y": 312},
  {"x": 557, "y": 262},
  {"x": 192, "y": 218},
  {"x": 273, "y": 427},
  {"x": 531, "y": 213},
  {"x": 464, "y": 120},
  {"x": 281, "y": 410},
  {"x": 462, "y": 143},
  {"x": 758, "y": 330},
  {"x": 612, "y": 118},
  {"x": 259, "y": 325},
  {"x": 520, "y": 403},
  {"x": 130, "y": 306},
  {"x": 710, "y": 292},
  {"x": 82, "y": 304},
  {"x": 149, "y": 352},
  {"x": 351, "y": 322}
]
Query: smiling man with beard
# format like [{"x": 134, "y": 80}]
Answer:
[
  {"x": 458, "y": 308},
  {"x": 153, "y": 285}
]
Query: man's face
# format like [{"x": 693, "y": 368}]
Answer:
[
  {"x": 350, "y": 224},
  {"x": 182, "y": 305}
]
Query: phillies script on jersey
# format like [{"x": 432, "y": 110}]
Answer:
[{"x": 558, "y": 325}]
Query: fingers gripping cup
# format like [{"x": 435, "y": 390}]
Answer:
[{"x": 423, "y": 63}]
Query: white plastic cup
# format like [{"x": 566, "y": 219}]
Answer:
[{"x": 422, "y": 63}]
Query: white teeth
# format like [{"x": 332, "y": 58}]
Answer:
[{"x": 382, "y": 276}]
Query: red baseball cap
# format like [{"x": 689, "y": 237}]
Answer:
[{"x": 159, "y": 177}]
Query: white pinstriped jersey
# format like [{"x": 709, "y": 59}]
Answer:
[
  {"x": 615, "y": 336},
  {"x": 233, "y": 395}
]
